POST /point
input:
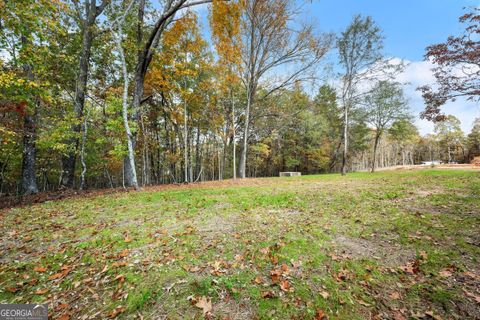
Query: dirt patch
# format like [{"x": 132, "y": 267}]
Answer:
[
  {"x": 385, "y": 252},
  {"x": 231, "y": 309},
  {"x": 216, "y": 225}
]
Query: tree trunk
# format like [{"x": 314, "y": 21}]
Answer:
[
  {"x": 234, "y": 160},
  {"x": 449, "y": 153},
  {"x": 345, "y": 141},
  {"x": 29, "y": 180},
  {"x": 375, "y": 146},
  {"x": 69, "y": 160},
  {"x": 185, "y": 143},
  {"x": 243, "y": 152},
  {"x": 129, "y": 168},
  {"x": 29, "y": 157},
  {"x": 82, "y": 153}
]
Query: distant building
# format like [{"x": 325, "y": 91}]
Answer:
[{"x": 431, "y": 163}]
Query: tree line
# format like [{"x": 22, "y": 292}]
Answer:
[{"x": 103, "y": 94}]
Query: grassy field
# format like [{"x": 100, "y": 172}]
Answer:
[{"x": 390, "y": 245}]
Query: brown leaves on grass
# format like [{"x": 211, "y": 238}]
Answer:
[
  {"x": 324, "y": 294},
  {"x": 275, "y": 275},
  {"x": 64, "y": 271},
  {"x": 127, "y": 238},
  {"x": 258, "y": 280},
  {"x": 342, "y": 275},
  {"x": 412, "y": 267},
  {"x": 205, "y": 304},
  {"x": 394, "y": 295},
  {"x": 41, "y": 291},
  {"x": 320, "y": 315},
  {"x": 472, "y": 295},
  {"x": 268, "y": 294},
  {"x": 446, "y": 272},
  {"x": 219, "y": 267},
  {"x": 285, "y": 286},
  {"x": 123, "y": 253},
  {"x": 39, "y": 269},
  {"x": 115, "y": 312},
  {"x": 61, "y": 306}
]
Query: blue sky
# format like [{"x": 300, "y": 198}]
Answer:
[{"x": 409, "y": 26}]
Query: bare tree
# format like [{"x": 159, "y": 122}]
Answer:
[
  {"x": 270, "y": 42},
  {"x": 384, "y": 105},
  {"x": 359, "y": 49}
]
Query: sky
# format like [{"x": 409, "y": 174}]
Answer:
[{"x": 408, "y": 26}]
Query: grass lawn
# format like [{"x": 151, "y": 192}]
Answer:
[{"x": 390, "y": 245}]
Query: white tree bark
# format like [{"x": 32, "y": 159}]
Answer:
[
  {"x": 82, "y": 152},
  {"x": 131, "y": 156}
]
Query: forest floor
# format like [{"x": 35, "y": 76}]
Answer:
[{"x": 390, "y": 245}]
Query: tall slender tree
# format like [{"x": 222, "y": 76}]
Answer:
[
  {"x": 86, "y": 15},
  {"x": 384, "y": 105},
  {"x": 269, "y": 42},
  {"x": 359, "y": 48}
]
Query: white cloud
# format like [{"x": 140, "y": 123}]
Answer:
[{"x": 419, "y": 73}]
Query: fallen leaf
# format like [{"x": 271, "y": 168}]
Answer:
[
  {"x": 285, "y": 286},
  {"x": 12, "y": 289},
  {"x": 265, "y": 250},
  {"x": 411, "y": 267},
  {"x": 432, "y": 315},
  {"x": 397, "y": 315},
  {"x": 120, "y": 278},
  {"x": 123, "y": 253},
  {"x": 258, "y": 280},
  {"x": 41, "y": 291},
  {"x": 238, "y": 257},
  {"x": 470, "y": 275},
  {"x": 61, "y": 306},
  {"x": 320, "y": 315},
  {"x": 334, "y": 257},
  {"x": 65, "y": 316},
  {"x": 115, "y": 312},
  {"x": 423, "y": 255},
  {"x": 39, "y": 269},
  {"x": 194, "y": 269},
  {"x": 363, "y": 303},
  {"x": 324, "y": 294},
  {"x": 205, "y": 304},
  {"x": 268, "y": 294},
  {"x": 127, "y": 239},
  {"x": 445, "y": 273},
  {"x": 472, "y": 295},
  {"x": 296, "y": 264},
  {"x": 118, "y": 264},
  {"x": 394, "y": 295},
  {"x": 55, "y": 276},
  {"x": 275, "y": 275}
]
